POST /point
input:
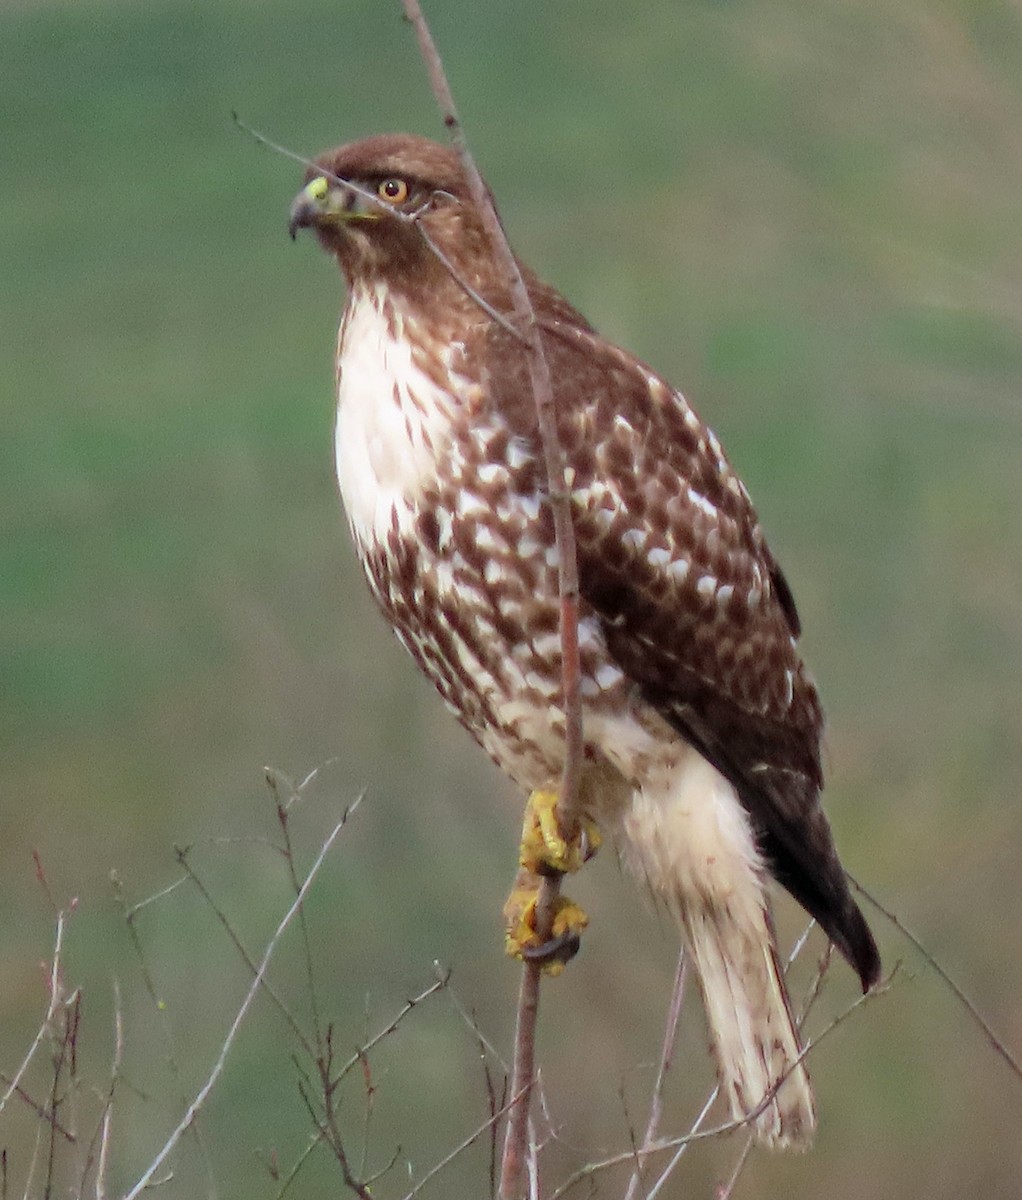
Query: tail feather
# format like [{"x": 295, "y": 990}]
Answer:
[
  {"x": 687, "y": 834},
  {"x": 754, "y": 1039}
]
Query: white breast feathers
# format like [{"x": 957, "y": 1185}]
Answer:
[{"x": 392, "y": 418}]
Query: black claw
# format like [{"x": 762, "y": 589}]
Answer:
[{"x": 562, "y": 949}]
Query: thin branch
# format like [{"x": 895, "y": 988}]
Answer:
[
  {"x": 727, "y": 1191},
  {"x": 247, "y": 959},
  {"x": 682, "y": 1150},
  {"x": 523, "y": 1072},
  {"x": 487, "y": 1051},
  {"x": 329, "y": 1126},
  {"x": 816, "y": 987},
  {"x": 330, "y": 1082},
  {"x": 276, "y": 147},
  {"x": 542, "y": 390},
  {"x": 63, "y": 1060},
  {"x": 283, "y": 818},
  {"x": 130, "y": 913},
  {"x": 254, "y": 988},
  {"x": 474, "y": 1136},
  {"x": 656, "y": 1105},
  {"x": 389, "y": 1028},
  {"x": 715, "y": 1131},
  {"x": 108, "y": 1106},
  {"x": 33, "y": 1163},
  {"x": 299, "y": 1163},
  {"x": 56, "y": 999},
  {"x": 516, "y": 1141},
  {"x": 977, "y": 1017},
  {"x": 494, "y": 314},
  {"x": 41, "y": 1111},
  {"x": 444, "y": 973}
]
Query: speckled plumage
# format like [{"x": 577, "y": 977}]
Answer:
[{"x": 702, "y": 726}]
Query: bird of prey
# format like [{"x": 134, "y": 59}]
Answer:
[{"x": 701, "y": 724}]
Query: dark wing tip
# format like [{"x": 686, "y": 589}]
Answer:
[
  {"x": 786, "y": 599},
  {"x": 857, "y": 944}
]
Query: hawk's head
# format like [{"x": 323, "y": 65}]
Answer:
[{"x": 382, "y": 204}]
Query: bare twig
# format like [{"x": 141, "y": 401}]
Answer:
[
  {"x": 444, "y": 973},
  {"x": 727, "y": 1191},
  {"x": 656, "y": 1105},
  {"x": 356, "y": 1059},
  {"x": 33, "y": 1163},
  {"x": 299, "y": 1163},
  {"x": 183, "y": 858},
  {"x": 698, "y": 1134},
  {"x": 201, "y": 1096},
  {"x": 282, "y": 808},
  {"x": 40, "y": 1111},
  {"x": 975, "y": 1015},
  {"x": 131, "y": 913},
  {"x": 487, "y": 1051},
  {"x": 64, "y": 1062},
  {"x": 328, "y": 1083},
  {"x": 682, "y": 1150},
  {"x": 276, "y": 147},
  {"x": 283, "y": 812},
  {"x": 473, "y": 1137},
  {"x": 108, "y": 1106},
  {"x": 560, "y": 503},
  {"x": 56, "y": 999},
  {"x": 329, "y": 1124}
]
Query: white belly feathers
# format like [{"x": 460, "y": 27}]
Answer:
[{"x": 390, "y": 416}]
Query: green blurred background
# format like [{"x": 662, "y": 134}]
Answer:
[{"x": 809, "y": 217}]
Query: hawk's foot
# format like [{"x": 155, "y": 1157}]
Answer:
[
  {"x": 524, "y": 943},
  {"x": 544, "y": 849}
]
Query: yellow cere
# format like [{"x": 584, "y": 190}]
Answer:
[{"x": 317, "y": 188}]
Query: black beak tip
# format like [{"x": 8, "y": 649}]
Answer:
[{"x": 300, "y": 216}]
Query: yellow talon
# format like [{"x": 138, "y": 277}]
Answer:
[
  {"x": 523, "y": 942},
  {"x": 544, "y": 849}
]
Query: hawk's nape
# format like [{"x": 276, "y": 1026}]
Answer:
[{"x": 702, "y": 725}]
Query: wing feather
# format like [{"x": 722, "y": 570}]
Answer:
[{"x": 694, "y": 607}]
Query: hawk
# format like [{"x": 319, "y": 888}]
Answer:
[{"x": 701, "y": 724}]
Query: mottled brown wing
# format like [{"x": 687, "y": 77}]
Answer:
[{"x": 694, "y": 607}]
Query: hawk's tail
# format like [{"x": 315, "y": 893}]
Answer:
[
  {"x": 688, "y": 835},
  {"x": 754, "y": 1039}
]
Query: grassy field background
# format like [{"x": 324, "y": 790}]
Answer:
[{"x": 810, "y": 218}]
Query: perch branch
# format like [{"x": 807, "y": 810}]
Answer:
[{"x": 516, "y": 1140}]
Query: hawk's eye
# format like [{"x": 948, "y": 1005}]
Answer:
[{"x": 394, "y": 191}]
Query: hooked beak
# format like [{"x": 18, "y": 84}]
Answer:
[
  {"x": 309, "y": 205},
  {"x": 323, "y": 202}
]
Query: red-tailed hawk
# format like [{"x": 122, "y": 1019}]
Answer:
[{"x": 702, "y": 726}]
